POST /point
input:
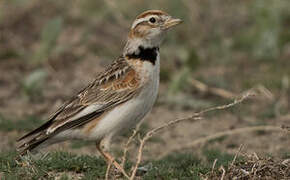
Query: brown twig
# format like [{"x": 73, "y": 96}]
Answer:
[
  {"x": 236, "y": 155},
  {"x": 226, "y": 106},
  {"x": 212, "y": 90},
  {"x": 258, "y": 89},
  {"x": 213, "y": 165},
  {"x": 126, "y": 147},
  {"x": 224, "y": 172},
  {"x": 195, "y": 117},
  {"x": 139, "y": 157}
]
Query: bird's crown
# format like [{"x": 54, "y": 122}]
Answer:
[{"x": 148, "y": 30}]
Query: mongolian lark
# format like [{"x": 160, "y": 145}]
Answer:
[{"x": 117, "y": 99}]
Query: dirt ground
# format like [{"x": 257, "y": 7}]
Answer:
[
  {"x": 65, "y": 82},
  {"x": 78, "y": 62}
]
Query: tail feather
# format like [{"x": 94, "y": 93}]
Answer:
[
  {"x": 34, "y": 138},
  {"x": 41, "y": 128},
  {"x": 29, "y": 144},
  {"x": 35, "y": 131}
]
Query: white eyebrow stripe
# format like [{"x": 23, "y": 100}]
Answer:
[{"x": 137, "y": 21}]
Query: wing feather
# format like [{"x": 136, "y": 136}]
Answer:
[{"x": 116, "y": 85}]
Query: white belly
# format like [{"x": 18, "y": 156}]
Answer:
[{"x": 133, "y": 111}]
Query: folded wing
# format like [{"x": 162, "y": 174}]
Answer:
[{"x": 116, "y": 85}]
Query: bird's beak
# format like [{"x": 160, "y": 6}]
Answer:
[{"x": 171, "y": 22}]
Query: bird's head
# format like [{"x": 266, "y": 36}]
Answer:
[{"x": 149, "y": 28}]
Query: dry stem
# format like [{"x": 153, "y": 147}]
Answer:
[
  {"x": 211, "y": 90},
  {"x": 258, "y": 89},
  {"x": 108, "y": 171},
  {"x": 195, "y": 117},
  {"x": 126, "y": 147},
  {"x": 213, "y": 165},
  {"x": 224, "y": 172},
  {"x": 236, "y": 155}
]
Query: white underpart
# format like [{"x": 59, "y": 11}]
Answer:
[
  {"x": 133, "y": 44},
  {"x": 133, "y": 111},
  {"x": 123, "y": 116}
]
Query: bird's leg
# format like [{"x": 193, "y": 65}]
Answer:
[{"x": 111, "y": 160}]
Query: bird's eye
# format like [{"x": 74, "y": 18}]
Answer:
[{"x": 152, "y": 20}]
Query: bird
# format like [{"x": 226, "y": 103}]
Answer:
[{"x": 117, "y": 99}]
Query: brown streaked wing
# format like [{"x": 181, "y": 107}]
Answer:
[{"x": 116, "y": 85}]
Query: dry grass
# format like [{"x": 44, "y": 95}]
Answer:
[
  {"x": 254, "y": 167},
  {"x": 196, "y": 117}
]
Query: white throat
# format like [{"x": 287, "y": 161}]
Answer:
[{"x": 133, "y": 44}]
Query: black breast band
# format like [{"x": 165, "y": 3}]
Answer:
[{"x": 145, "y": 54}]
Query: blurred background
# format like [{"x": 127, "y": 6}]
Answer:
[{"x": 50, "y": 49}]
